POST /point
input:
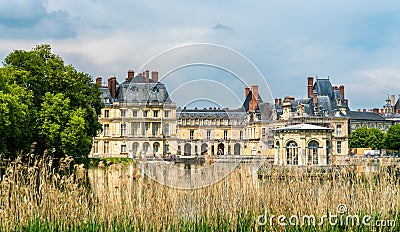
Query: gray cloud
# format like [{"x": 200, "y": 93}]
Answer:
[
  {"x": 21, "y": 13},
  {"x": 29, "y": 19},
  {"x": 355, "y": 42},
  {"x": 220, "y": 26}
]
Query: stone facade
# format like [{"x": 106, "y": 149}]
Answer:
[
  {"x": 139, "y": 119},
  {"x": 303, "y": 145}
]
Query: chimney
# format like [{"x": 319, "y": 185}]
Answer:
[
  {"x": 280, "y": 101},
  {"x": 382, "y": 111},
  {"x": 341, "y": 88},
  {"x": 289, "y": 98},
  {"x": 364, "y": 110},
  {"x": 375, "y": 110},
  {"x": 254, "y": 89},
  {"x": 276, "y": 101},
  {"x": 267, "y": 111},
  {"x": 254, "y": 98},
  {"x": 154, "y": 76},
  {"x": 99, "y": 81},
  {"x": 347, "y": 102},
  {"x": 246, "y": 92},
  {"x": 131, "y": 74},
  {"x": 315, "y": 97},
  {"x": 147, "y": 76},
  {"x": 358, "y": 110},
  {"x": 310, "y": 85},
  {"x": 392, "y": 99},
  {"x": 112, "y": 86}
]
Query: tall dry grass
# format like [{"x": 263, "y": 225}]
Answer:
[{"x": 119, "y": 198}]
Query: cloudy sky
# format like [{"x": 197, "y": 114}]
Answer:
[{"x": 355, "y": 43}]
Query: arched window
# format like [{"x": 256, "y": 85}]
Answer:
[
  {"x": 135, "y": 147},
  {"x": 292, "y": 154},
  {"x": 204, "y": 148},
  {"x": 179, "y": 150},
  {"x": 312, "y": 153},
  {"x": 146, "y": 146},
  {"x": 156, "y": 146},
  {"x": 221, "y": 149},
  {"x": 236, "y": 149},
  {"x": 187, "y": 149}
]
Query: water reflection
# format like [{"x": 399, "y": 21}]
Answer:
[{"x": 191, "y": 175}]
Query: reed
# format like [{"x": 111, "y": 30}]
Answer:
[{"x": 36, "y": 198}]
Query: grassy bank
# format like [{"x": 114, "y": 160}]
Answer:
[
  {"x": 94, "y": 162},
  {"x": 119, "y": 199}
]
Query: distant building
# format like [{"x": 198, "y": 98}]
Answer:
[
  {"x": 138, "y": 119},
  {"x": 303, "y": 144},
  {"x": 318, "y": 123},
  {"x": 369, "y": 120},
  {"x": 212, "y": 131}
]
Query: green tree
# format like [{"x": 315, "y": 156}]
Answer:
[
  {"x": 364, "y": 137},
  {"x": 376, "y": 139},
  {"x": 358, "y": 138},
  {"x": 16, "y": 117},
  {"x": 392, "y": 140},
  {"x": 64, "y": 103}
]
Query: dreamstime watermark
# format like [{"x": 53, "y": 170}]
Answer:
[{"x": 340, "y": 218}]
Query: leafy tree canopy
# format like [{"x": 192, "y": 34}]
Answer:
[
  {"x": 47, "y": 102},
  {"x": 393, "y": 137},
  {"x": 364, "y": 137}
]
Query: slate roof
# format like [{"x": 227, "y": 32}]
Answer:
[
  {"x": 302, "y": 126},
  {"x": 136, "y": 90},
  {"x": 397, "y": 105},
  {"x": 327, "y": 101},
  {"x": 240, "y": 115},
  {"x": 323, "y": 88},
  {"x": 369, "y": 116}
]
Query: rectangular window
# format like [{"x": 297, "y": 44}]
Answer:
[
  {"x": 123, "y": 113},
  {"x": 146, "y": 129},
  {"x": 155, "y": 129},
  {"x": 96, "y": 147},
  {"x": 155, "y": 114},
  {"x": 123, "y": 129},
  {"x": 338, "y": 130},
  {"x": 106, "y": 147},
  {"x": 145, "y": 113},
  {"x": 135, "y": 128},
  {"x": 106, "y": 129},
  {"x": 241, "y": 135},
  {"x": 339, "y": 147},
  {"x": 191, "y": 136},
  {"x": 208, "y": 134},
  {"x": 106, "y": 113},
  {"x": 166, "y": 129},
  {"x": 263, "y": 131},
  {"x": 166, "y": 113},
  {"x": 123, "y": 148},
  {"x": 134, "y": 113},
  {"x": 225, "y": 135}
]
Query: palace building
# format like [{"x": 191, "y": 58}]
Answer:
[
  {"x": 140, "y": 120},
  {"x": 312, "y": 130}
]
